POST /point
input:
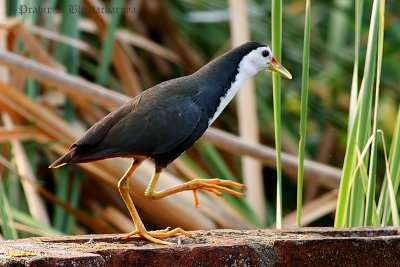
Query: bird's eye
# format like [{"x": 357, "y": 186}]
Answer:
[{"x": 265, "y": 53}]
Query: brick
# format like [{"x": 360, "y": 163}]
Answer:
[{"x": 365, "y": 246}]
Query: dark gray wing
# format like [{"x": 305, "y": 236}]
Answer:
[
  {"x": 151, "y": 127},
  {"x": 97, "y": 132}
]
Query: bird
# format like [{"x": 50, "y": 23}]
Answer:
[{"x": 165, "y": 120}]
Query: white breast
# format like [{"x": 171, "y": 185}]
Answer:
[{"x": 246, "y": 70}]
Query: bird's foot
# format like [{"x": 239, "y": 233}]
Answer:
[
  {"x": 154, "y": 235},
  {"x": 214, "y": 186}
]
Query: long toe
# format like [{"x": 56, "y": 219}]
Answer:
[
  {"x": 217, "y": 185},
  {"x": 154, "y": 235},
  {"x": 165, "y": 234},
  {"x": 217, "y": 181},
  {"x": 136, "y": 232}
]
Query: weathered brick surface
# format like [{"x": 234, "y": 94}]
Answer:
[{"x": 287, "y": 247}]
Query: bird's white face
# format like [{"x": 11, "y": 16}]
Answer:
[
  {"x": 262, "y": 59},
  {"x": 258, "y": 59}
]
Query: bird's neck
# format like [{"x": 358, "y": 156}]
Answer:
[
  {"x": 224, "y": 82},
  {"x": 229, "y": 94}
]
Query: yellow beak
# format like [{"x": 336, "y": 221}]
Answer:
[{"x": 279, "y": 69}]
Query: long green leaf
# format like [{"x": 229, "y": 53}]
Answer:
[
  {"x": 373, "y": 163},
  {"x": 365, "y": 100},
  {"x": 344, "y": 188},
  {"x": 47, "y": 20},
  {"x": 303, "y": 114},
  {"x": 74, "y": 200},
  {"x": 108, "y": 43},
  {"x": 59, "y": 216},
  {"x": 354, "y": 84},
  {"x": 276, "y": 82},
  {"x": 364, "y": 178},
  {"x": 393, "y": 171},
  {"x": 391, "y": 191},
  {"x": 14, "y": 185},
  {"x": 7, "y": 228},
  {"x": 358, "y": 134},
  {"x": 29, "y": 221},
  {"x": 68, "y": 56}
]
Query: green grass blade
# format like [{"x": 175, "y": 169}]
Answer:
[
  {"x": 337, "y": 32},
  {"x": 342, "y": 216},
  {"x": 108, "y": 43},
  {"x": 373, "y": 163},
  {"x": 68, "y": 56},
  {"x": 393, "y": 204},
  {"x": 65, "y": 54},
  {"x": 337, "y": 27},
  {"x": 59, "y": 215},
  {"x": 47, "y": 20},
  {"x": 11, "y": 7},
  {"x": 91, "y": 69},
  {"x": 14, "y": 185},
  {"x": 31, "y": 88},
  {"x": 357, "y": 203},
  {"x": 303, "y": 114},
  {"x": 74, "y": 200},
  {"x": 364, "y": 178},
  {"x": 354, "y": 84},
  {"x": 30, "y": 18},
  {"x": 7, "y": 227},
  {"x": 393, "y": 171},
  {"x": 365, "y": 99},
  {"x": 391, "y": 190},
  {"x": 276, "y": 82},
  {"x": 27, "y": 220},
  {"x": 344, "y": 188},
  {"x": 358, "y": 134}
]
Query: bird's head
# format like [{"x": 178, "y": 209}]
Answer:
[{"x": 261, "y": 58}]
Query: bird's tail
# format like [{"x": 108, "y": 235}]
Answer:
[{"x": 66, "y": 158}]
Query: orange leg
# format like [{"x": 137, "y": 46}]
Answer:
[
  {"x": 212, "y": 185},
  {"x": 123, "y": 186}
]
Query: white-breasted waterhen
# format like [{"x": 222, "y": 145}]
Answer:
[{"x": 167, "y": 119}]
